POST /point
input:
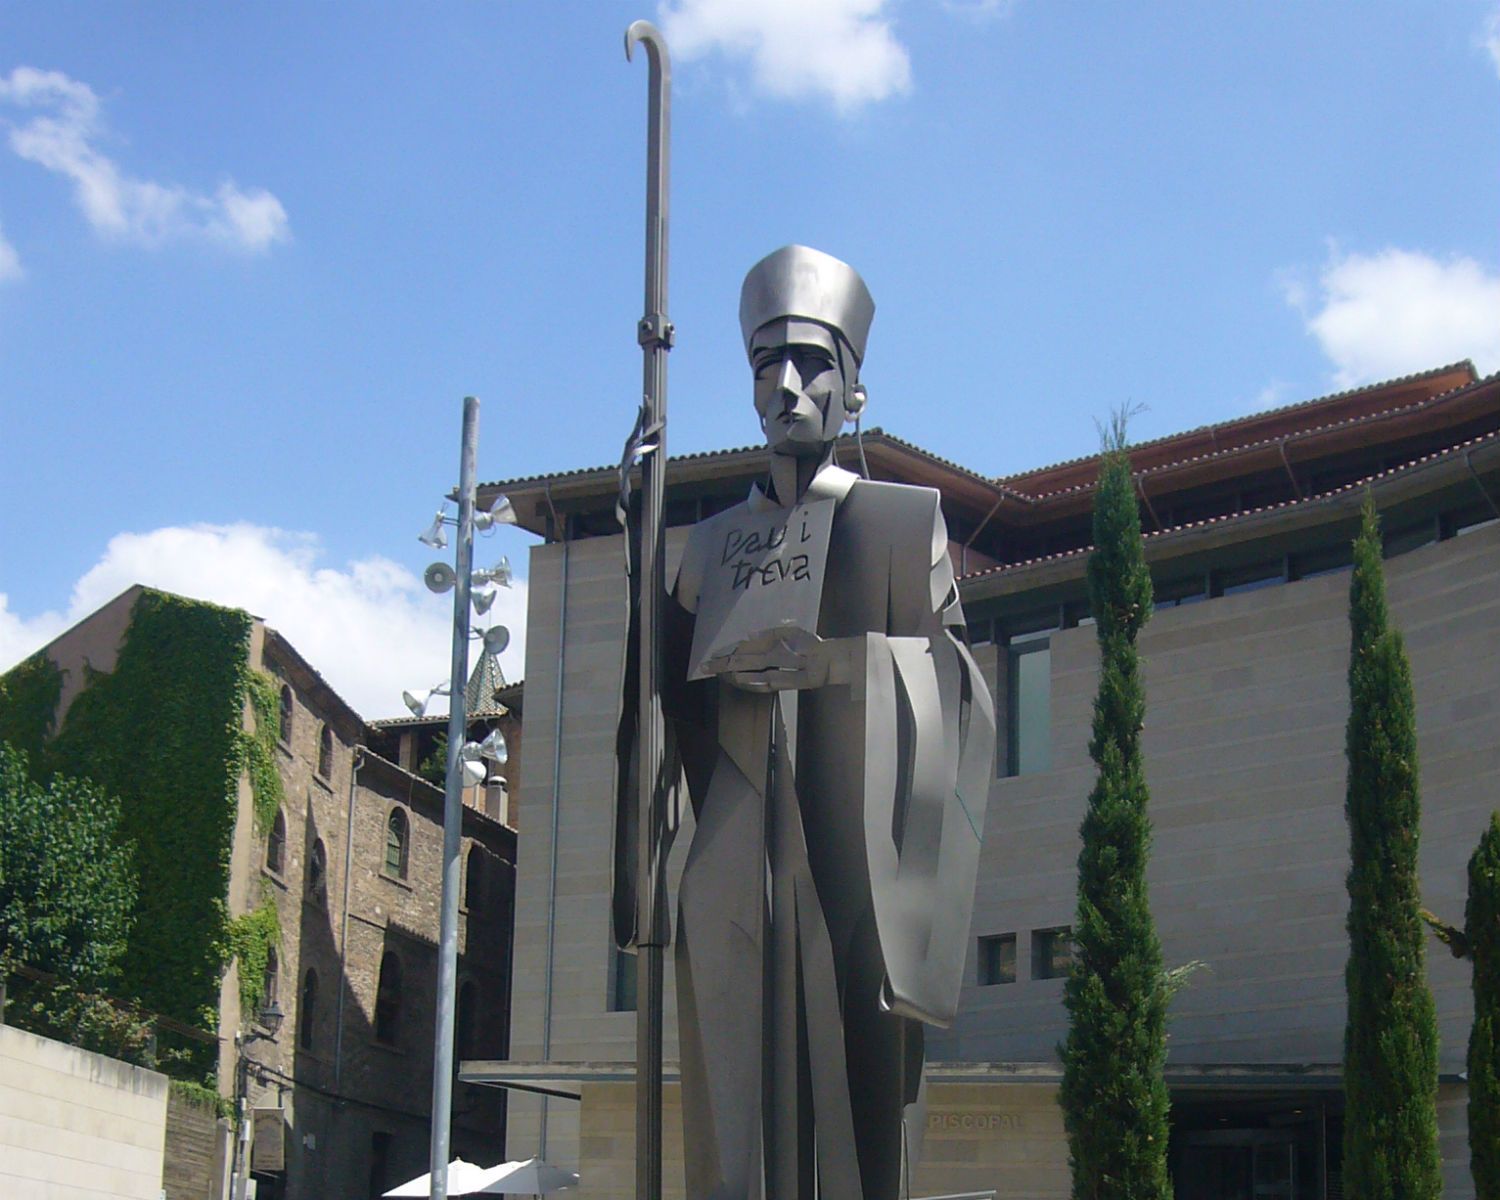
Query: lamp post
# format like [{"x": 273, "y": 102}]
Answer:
[
  {"x": 442, "y": 1057},
  {"x": 463, "y": 761},
  {"x": 269, "y": 1018}
]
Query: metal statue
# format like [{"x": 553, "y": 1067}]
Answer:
[{"x": 837, "y": 741}]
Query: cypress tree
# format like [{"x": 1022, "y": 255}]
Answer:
[
  {"x": 1482, "y": 926},
  {"x": 1390, "y": 1039},
  {"x": 1114, "y": 1097}
]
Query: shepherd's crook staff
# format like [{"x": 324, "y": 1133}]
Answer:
[{"x": 655, "y": 336}]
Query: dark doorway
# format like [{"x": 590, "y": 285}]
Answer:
[{"x": 1260, "y": 1148}]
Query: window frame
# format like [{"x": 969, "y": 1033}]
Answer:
[
  {"x": 989, "y": 969},
  {"x": 398, "y": 839},
  {"x": 1044, "y": 946},
  {"x": 1018, "y": 647}
]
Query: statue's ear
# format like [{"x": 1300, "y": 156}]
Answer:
[{"x": 854, "y": 401}]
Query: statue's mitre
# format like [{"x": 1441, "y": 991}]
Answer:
[{"x": 800, "y": 282}]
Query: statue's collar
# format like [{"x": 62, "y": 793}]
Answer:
[{"x": 830, "y": 483}]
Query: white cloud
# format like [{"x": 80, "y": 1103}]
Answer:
[
  {"x": 10, "y": 261},
  {"x": 1391, "y": 313},
  {"x": 844, "y": 50},
  {"x": 61, "y": 136},
  {"x": 372, "y": 629},
  {"x": 1490, "y": 39}
]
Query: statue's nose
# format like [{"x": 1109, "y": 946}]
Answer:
[{"x": 789, "y": 381}]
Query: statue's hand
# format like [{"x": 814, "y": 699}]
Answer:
[{"x": 785, "y": 660}]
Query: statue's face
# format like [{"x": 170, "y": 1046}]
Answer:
[{"x": 799, "y": 385}]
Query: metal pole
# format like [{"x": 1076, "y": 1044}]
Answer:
[
  {"x": 442, "y": 1057},
  {"x": 654, "y": 334}
]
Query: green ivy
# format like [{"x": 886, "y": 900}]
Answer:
[
  {"x": 199, "y": 1096},
  {"x": 29, "y": 693},
  {"x": 251, "y": 938},
  {"x": 259, "y": 748}
]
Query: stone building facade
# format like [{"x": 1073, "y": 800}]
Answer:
[
  {"x": 335, "y": 1066},
  {"x": 1248, "y": 525}
]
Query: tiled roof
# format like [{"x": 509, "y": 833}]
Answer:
[{"x": 1464, "y": 447}]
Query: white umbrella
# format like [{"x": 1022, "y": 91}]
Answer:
[
  {"x": 530, "y": 1177},
  {"x": 464, "y": 1179}
]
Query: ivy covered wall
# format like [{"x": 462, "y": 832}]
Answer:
[{"x": 164, "y": 731}]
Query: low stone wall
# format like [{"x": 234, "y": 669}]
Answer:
[
  {"x": 76, "y": 1125},
  {"x": 1008, "y": 1137}
]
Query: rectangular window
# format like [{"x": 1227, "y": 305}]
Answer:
[
  {"x": 1051, "y": 952},
  {"x": 1412, "y": 537},
  {"x": 1248, "y": 579},
  {"x": 1324, "y": 561},
  {"x": 621, "y": 980},
  {"x": 997, "y": 959},
  {"x": 1029, "y": 709},
  {"x": 1173, "y": 593},
  {"x": 1466, "y": 520}
]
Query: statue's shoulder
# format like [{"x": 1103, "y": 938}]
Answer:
[{"x": 907, "y": 500}]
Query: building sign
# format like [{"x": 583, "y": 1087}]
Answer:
[{"x": 974, "y": 1122}]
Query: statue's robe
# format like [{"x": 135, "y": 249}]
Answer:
[{"x": 824, "y": 908}]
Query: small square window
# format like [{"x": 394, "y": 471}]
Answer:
[
  {"x": 1051, "y": 952},
  {"x": 997, "y": 959}
]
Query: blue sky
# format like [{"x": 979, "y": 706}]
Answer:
[{"x": 253, "y": 256}]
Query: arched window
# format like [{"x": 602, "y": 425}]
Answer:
[
  {"x": 307, "y": 1010},
  {"x": 325, "y": 753},
  {"x": 468, "y": 1019},
  {"x": 388, "y": 999},
  {"x": 474, "y": 879},
  {"x": 286, "y": 713},
  {"x": 271, "y": 980},
  {"x": 317, "y": 873},
  {"x": 395, "y": 844},
  {"x": 276, "y": 844}
]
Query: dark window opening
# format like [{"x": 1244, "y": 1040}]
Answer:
[
  {"x": 317, "y": 873},
  {"x": 1234, "y": 580},
  {"x": 474, "y": 879},
  {"x": 997, "y": 959},
  {"x": 271, "y": 980},
  {"x": 380, "y": 1162},
  {"x": 388, "y": 999},
  {"x": 1174, "y": 593},
  {"x": 325, "y": 753},
  {"x": 1410, "y": 537},
  {"x": 1051, "y": 952},
  {"x": 395, "y": 844},
  {"x": 285, "y": 729},
  {"x": 276, "y": 844},
  {"x": 307, "y": 1009}
]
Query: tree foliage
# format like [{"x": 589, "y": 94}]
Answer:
[
  {"x": 1114, "y": 1097},
  {"x": 1482, "y": 927},
  {"x": 67, "y": 887},
  {"x": 67, "y": 901},
  {"x": 1390, "y": 1039}
]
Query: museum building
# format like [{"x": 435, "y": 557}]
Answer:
[{"x": 1248, "y": 525}]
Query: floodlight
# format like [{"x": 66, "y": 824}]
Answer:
[
  {"x": 501, "y": 512},
  {"x": 496, "y": 638},
  {"x": 439, "y": 578},
  {"x": 419, "y": 707},
  {"x": 483, "y": 599},
  {"x": 436, "y": 536},
  {"x": 498, "y": 574},
  {"x": 494, "y": 748},
  {"x": 474, "y": 772},
  {"x": 469, "y": 752}
]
